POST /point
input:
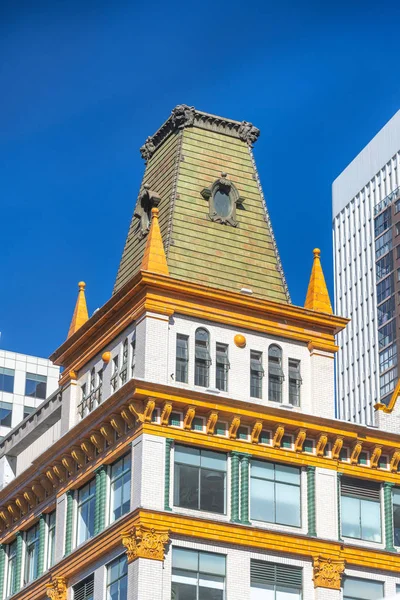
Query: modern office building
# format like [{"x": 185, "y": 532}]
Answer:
[
  {"x": 197, "y": 454},
  {"x": 366, "y": 234},
  {"x": 25, "y": 381}
]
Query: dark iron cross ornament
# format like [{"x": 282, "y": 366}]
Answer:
[{"x": 146, "y": 201}]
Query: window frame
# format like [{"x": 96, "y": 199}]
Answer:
[
  {"x": 295, "y": 381},
  {"x": 275, "y": 374},
  {"x": 182, "y": 362},
  {"x": 362, "y": 498},
  {"x": 222, "y": 366},
  {"x": 202, "y": 363},
  {"x": 198, "y": 573},
  {"x": 31, "y": 552},
  {"x": 202, "y": 452},
  {"x": 276, "y": 484},
  {"x": 3, "y": 375},
  {"x": 79, "y": 504},
  {"x": 121, "y": 559},
  {"x": 257, "y": 374},
  {"x": 113, "y": 479},
  {"x": 39, "y": 379}
]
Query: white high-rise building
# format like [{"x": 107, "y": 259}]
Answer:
[
  {"x": 366, "y": 235},
  {"x": 25, "y": 381}
]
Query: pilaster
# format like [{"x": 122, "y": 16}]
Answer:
[
  {"x": 167, "y": 478},
  {"x": 2, "y": 569},
  {"x": 244, "y": 489},
  {"x": 311, "y": 514},
  {"x": 339, "y": 505},
  {"x": 69, "y": 522},
  {"x": 388, "y": 516},
  {"x": 18, "y": 563},
  {"x": 235, "y": 487},
  {"x": 99, "y": 508},
  {"x": 42, "y": 536}
]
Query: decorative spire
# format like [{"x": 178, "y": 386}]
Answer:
[
  {"x": 154, "y": 258},
  {"x": 317, "y": 294},
  {"x": 80, "y": 315}
]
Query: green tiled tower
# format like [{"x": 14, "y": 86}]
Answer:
[{"x": 189, "y": 153}]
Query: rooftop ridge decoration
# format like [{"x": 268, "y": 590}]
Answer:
[
  {"x": 81, "y": 314},
  {"x": 187, "y": 116},
  {"x": 154, "y": 258},
  {"x": 317, "y": 294}
]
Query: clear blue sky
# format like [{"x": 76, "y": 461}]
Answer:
[{"x": 84, "y": 82}]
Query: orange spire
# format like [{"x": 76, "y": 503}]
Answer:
[
  {"x": 154, "y": 258},
  {"x": 80, "y": 315},
  {"x": 317, "y": 294}
]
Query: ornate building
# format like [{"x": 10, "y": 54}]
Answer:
[{"x": 198, "y": 456}]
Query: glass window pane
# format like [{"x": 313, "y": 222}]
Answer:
[
  {"x": 350, "y": 515},
  {"x": 185, "y": 559},
  {"x": 283, "y": 593},
  {"x": 287, "y": 504},
  {"x": 262, "y": 592},
  {"x": 362, "y": 589},
  {"x": 212, "y": 485},
  {"x": 370, "y": 520},
  {"x": 264, "y": 470},
  {"x": 188, "y": 456},
  {"x": 213, "y": 460},
  {"x": 262, "y": 500},
  {"x": 182, "y": 591},
  {"x": 222, "y": 203},
  {"x": 187, "y": 486},
  {"x": 287, "y": 474},
  {"x": 212, "y": 563}
]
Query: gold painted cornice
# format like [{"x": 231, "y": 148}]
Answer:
[
  {"x": 230, "y": 534},
  {"x": 128, "y": 413},
  {"x": 166, "y": 295}
]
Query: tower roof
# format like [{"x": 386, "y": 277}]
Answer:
[
  {"x": 80, "y": 315},
  {"x": 317, "y": 294},
  {"x": 215, "y": 228}
]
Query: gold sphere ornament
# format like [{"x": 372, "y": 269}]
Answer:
[
  {"x": 106, "y": 356},
  {"x": 240, "y": 340}
]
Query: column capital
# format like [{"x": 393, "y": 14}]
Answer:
[
  {"x": 388, "y": 484},
  {"x": 57, "y": 588},
  {"x": 145, "y": 542},
  {"x": 310, "y": 468},
  {"x": 328, "y": 572}
]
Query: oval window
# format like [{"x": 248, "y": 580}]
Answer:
[{"x": 222, "y": 203}]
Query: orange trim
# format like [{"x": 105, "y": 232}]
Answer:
[{"x": 389, "y": 408}]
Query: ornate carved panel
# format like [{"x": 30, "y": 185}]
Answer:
[
  {"x": 328, "y": 572},
  {"x": 143, "y": 542}
]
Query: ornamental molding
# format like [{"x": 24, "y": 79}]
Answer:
[
  {"x": 328, "y": 572},
  {"x": 183, "y": 116},
  {"x": 226, "y": 186},
  {"x": 145, "y": 542},
  {"x": 57, "y": 588}
]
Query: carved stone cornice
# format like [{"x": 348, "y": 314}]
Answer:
[
  {"x": 143, "y": 542},
  {"x": 57, "y": 588},
  {"x": 187, "y": 116},
  {"x": 328, "y": 572}
]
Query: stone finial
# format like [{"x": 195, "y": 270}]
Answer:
[
  {"x": 317, "y": 294},
  {"x": 57, "y": 588},
  {"x": 328, "y": 572},
  {"x": 154, "y": 258},
  {"x": 80, "y": 315},
  {"x": 145, "y": 542}
]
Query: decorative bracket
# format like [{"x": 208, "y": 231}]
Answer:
[
  {"x": 143, "y": 542},
  {"x": 328, "y": 572}
]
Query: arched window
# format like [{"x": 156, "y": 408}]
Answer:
[
  {"x": 202, "y": 358},
  {"x": 275, "y": 373}
]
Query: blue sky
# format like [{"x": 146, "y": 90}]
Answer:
[{"x": 83, "y": 84}]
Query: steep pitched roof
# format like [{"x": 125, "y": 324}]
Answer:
[{"x": 185, "y": 157}]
